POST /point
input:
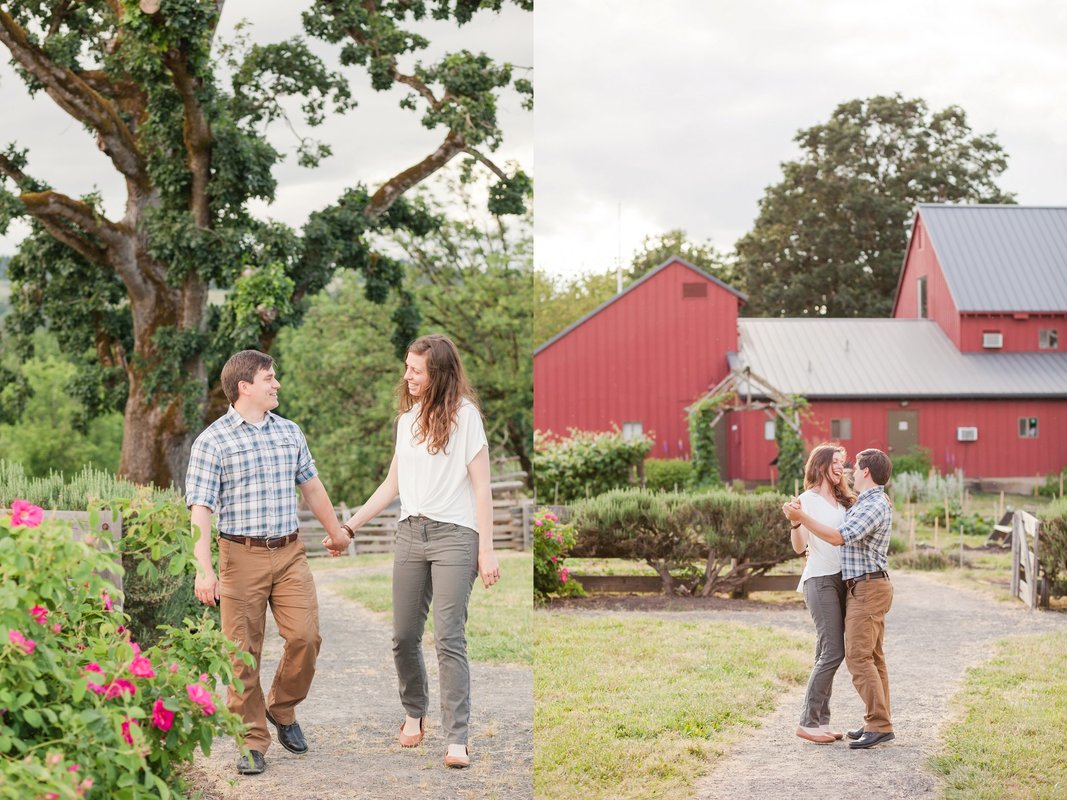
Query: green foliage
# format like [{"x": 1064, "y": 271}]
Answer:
[
  {"x": 1052, "y": 484},
  {"x": 973, "y": 524},
  {"x": 702, "y": 440},
  {"x": 552, "y": 540},
  {"x": 1052, "y": 551},
  {"x": 925, "y": 560},
  {"x": 667, "y": 474},
  {"x": 928, "y": 486},
  {"x": 585, "y": 464},
  {"x": 830, "y": 237},
  {"x": 58, "y": 733},
  {"x": 676, "y": 244},
  {"x": 918, "y": 460},
  {"x": 791, "y": 452},
  {"x": 737, "y": 536},
  {"x": 44, "y": 426}
]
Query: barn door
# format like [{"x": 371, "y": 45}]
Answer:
[{"x": 903, "y": 432}]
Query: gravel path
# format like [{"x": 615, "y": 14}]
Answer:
[
  {"x": 352, "y": 715},
  {"x": 934, "y": 633}
]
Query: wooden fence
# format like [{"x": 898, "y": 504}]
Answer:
[
  {"x": 105, "y": 534},
  {"x": 1027, "y": 582}
]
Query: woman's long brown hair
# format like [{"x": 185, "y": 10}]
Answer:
[
  {"x": 445, "y": 391},
  {"x": 818, "y": 467}
]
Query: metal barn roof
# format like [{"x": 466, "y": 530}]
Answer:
[
  {"x": 891, "y": 358},
  {"x": 1001, "y": 257}
]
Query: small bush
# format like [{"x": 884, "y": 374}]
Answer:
[
  {"x": 1051, "y": 486},
  {"x": 668, "y": 474},
  {"x": 928, "y": 560},
  {"x": 922, "y": 487},
  {"x": 918, "y": 460},
  {"x": 585, "y": 464},
  {"x": 1052, "y": 550},
  {"x": 897, "y": 545}
]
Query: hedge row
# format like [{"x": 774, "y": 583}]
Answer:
[{"x": 696, "y": 542}]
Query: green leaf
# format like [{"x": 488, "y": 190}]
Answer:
[{"x": 33, "y": 717}]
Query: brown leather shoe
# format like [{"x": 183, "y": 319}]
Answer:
[
  {"x": 415, "y": 740},
  {"x": 459, "y": 762}
]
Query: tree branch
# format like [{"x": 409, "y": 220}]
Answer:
[
  {"x": 400, "y": 183},
  {"x": 196, "y": 130},
  {"x": 77, "y": 98},
  {"x": 55, "y": 207},
  {"x": 487, "y": 162}
]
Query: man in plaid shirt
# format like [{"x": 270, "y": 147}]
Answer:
[
  {"x": 864, "y": 541},
  {"x": 244, "y": 467}
]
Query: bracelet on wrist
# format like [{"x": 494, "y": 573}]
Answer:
[
  {"x": 794, "y": 527},
  {"x": 351, "y": 533}
]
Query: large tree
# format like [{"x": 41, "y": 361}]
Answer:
[
  {"x": 133, "y": 291},
  {"x": 676, "y": 243},
  {"x": 830, "y": 236}
]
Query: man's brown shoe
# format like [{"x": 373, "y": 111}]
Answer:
[
  {"x": 409, "y": 740},
  {"x": 459, "y": 761}
]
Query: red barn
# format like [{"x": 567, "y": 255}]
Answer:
[
  {"x": 640, "y": 359},
  {"x": 970, "y": 365}
]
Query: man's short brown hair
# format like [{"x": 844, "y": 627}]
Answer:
[
  {"x": 243, "y": 366},
  {"x": 877, "y": 462}
]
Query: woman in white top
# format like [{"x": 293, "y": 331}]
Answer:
[
  {"x": 827, "y": 497},
  {"x": 444, "y": 538}
]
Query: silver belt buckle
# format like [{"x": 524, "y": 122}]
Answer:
[{"x": 279, "y": 547}]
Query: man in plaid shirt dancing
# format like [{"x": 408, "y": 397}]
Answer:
[
  {"x": 244, "y": 467},
  {"x": 864, "y": 540}
]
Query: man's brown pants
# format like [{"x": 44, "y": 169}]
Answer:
[
  {"x": 251, "y": 577},
  {"x": 866, "y": 605}
]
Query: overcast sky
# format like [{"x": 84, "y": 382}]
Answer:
[
  {"x": 682, "y": 110},
  {"x": 370, "y": 144}
]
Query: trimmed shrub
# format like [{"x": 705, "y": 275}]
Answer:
[
  {"x": 917, "y": 459},
  {"x": 585, "y": 464},
  {"x": 668, "y": 474},
  {"x": 86, "y": 711},
  {"x": 736, "y": 537},
  {"x": 1052, "y": 550}
]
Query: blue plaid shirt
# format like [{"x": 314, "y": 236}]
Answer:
[
  {"x": 247, "y": 474},
  {"x": 866, "y": 534}
]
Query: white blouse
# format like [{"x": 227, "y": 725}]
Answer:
[{"x": 823, "y": 558}]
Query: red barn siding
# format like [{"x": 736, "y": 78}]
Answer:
[
  {"x": 644, "y": 357},
  {"x": 1020, "y": 335},
  {"x": 998, "y": 453},
  {"x": 921, "y": 261}
]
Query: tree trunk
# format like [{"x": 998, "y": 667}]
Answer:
[{"x": 156, "y": 435}]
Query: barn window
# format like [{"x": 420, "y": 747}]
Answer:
[
  {"x": 768, "y": 430},
  {"x": 1027, "y": 427},
  {"x": 920, "y": 295},
  {"x": 694, "y": 290},
  {"x": 1048, "y": 339},
  {"x": 631, "y": 430},
  {"x": 992, "y": 340},
  {"x": 841, "y": 429}
]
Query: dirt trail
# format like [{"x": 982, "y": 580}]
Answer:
[
  {"x": 934, "y": 633},
  {"x": 352, "y": 715}
]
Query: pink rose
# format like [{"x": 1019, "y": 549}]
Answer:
[
  {"x": 74, "y": 767},
  {"x": 199, "y": 695},
  {"x": 23, "y": 513},
  {"x": 57, "y": 628},
  {"x": 118, "y": 687},
  {"x": 538, "y": 523},
  {"x": 142, "y": 668},
  {"x": 39, "y": 614},
  {"x": 563, "y": 575},
  {"x": 92, "y": 685},
  {"x": 27, "y": 646},
  {"x": 126, "y": 729},
  {"x": 107, "y": 600},
  {"x": 173, "y": 667},
  {"x": 161, "y": 717},
  {"x": 552, "y": 517}
]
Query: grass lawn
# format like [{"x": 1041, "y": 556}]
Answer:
[
  {"x": 324, "y": 563},
  {"x": 1008, "y": 741},
  {"x": 499, "y": 624},
  {"x": 634, "y": 707}
]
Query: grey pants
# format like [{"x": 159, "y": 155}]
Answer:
[
  {"x": 435, "y": 561},
  {"x": 825, "y": 597}
]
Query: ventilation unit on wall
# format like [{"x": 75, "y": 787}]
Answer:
[
  {"x": 993, "y": 340},
  {"x": 966, "y": 434}
]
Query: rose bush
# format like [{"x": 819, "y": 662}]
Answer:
[
  {"x": 84, "y": 710},
  {"x": 552, "y": 540}
]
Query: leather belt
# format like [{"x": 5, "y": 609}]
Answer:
[
  {"x": 275, "y": 543},
  {"x": 867, "y": 576}
]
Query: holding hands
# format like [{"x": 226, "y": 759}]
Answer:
[{"x": 792, "y": 510}]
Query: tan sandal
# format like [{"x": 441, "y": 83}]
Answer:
[
  {"x": 409, "y": 740},
  {"x": 458, "y": 762}
]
